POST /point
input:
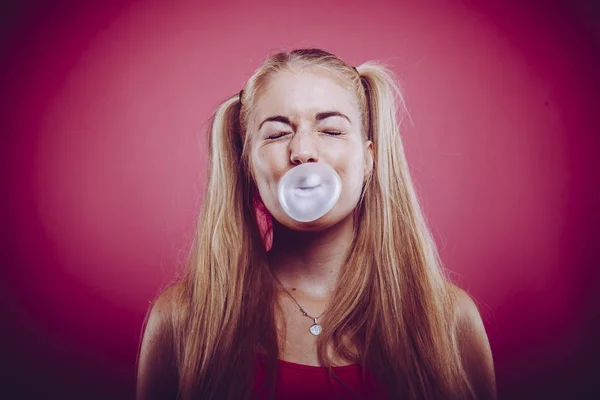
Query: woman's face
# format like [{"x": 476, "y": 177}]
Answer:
[{"x": 302, "y": 117}]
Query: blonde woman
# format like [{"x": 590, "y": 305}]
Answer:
[{"x": 354, "y": 304}]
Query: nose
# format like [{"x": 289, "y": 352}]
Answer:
[{"x": 303, "y": 149}]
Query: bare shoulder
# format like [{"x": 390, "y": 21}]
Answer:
[
  {"x": 163, "y": 307},
  {"x": 467, "y": 312},
  {"x": 474, "y": 345},
  {"x": 156, "y": 372},
  {"x": 158, "y": 325}
]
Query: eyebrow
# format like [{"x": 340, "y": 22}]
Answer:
[
  {"x": 329, "y": 114},
  {"x": 319, "y": 117}
]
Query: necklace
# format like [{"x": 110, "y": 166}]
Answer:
[{"x": 315, "y": 328}]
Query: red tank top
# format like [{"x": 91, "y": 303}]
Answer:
[{"x": 299, "y": 381}]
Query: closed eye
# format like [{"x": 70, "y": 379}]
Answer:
[
  {"x": 277, "y": 135},
  {"x": 281, "y": 134}
]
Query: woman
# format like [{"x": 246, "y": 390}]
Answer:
[{"x": 354, "y": 304}]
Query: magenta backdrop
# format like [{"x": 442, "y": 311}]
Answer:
[{"x": 104, "y": 119}]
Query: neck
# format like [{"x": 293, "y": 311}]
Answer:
[{"x": 310, "y": 261}]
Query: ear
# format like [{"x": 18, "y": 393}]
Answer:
[{"x": 369, "y": 157}]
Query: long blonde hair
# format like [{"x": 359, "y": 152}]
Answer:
[{"x": 395, "y": 304}]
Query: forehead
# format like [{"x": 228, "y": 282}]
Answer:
[{"x": 302, "y": 94}]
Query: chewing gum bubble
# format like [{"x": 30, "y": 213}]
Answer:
[{"x": 308, "y": 191}]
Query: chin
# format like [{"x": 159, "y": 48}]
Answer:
[{"x": 326, "y": 221}]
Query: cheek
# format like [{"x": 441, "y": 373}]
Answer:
[
  {"x": 353, "y": 178},
  {"x": 265, "y": 169}
]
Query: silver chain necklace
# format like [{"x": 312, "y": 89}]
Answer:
[{"x": 315, "y": 328}]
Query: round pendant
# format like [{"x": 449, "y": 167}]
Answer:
[{"x": 316, "y": 329}]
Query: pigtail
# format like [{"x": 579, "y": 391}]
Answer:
[
  {"x": 411, "y": 290},
  {"x": 218, "y": 329}
]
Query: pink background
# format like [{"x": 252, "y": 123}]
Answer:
[{"x": 104, "y": 116}]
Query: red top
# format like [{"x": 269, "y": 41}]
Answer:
[{"x": 299, "y": 381}]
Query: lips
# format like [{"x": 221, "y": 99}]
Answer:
[
  {"x": 308, "y": 187},
  {"x": 306, "y": 191}
]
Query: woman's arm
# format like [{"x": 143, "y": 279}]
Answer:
[
  {"x": 157, "y": 372},
  {"x": 475, "y": 347}
]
